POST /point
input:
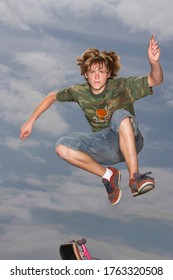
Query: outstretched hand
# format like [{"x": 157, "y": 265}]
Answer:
[
  {"x": 153, "y": 50},
  {"x": 25, "y": 130}
]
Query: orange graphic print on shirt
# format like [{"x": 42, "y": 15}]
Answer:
[{"x": 102, "y": 115}]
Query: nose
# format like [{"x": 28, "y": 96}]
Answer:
[{"x": 97, "y": 74}]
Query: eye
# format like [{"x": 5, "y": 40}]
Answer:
[
  {"x": 91, "y": 72},
  {"x": 102, "y": 71}
]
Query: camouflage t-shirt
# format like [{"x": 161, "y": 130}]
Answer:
[{"x": 98, "y": 109}]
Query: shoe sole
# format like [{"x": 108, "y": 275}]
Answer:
[
  {"x": 120, "y": 193},
  {"x": 135, "y": 194},
  {"x": 119, "y": 197},
  {"x": 144, "y": 189}
]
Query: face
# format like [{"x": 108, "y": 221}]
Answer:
[{"x": 97, "y": 76}]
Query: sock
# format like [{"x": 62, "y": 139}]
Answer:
[{"x": 107, "y": 174}]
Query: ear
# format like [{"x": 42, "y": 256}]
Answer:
[
  {"x": 86, "y": 77},
  {"x": 108, "y": 75}
]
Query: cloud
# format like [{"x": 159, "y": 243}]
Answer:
[
  {"x": 19, "y": 96},
  {"x": 28, "y": 241},
  {"x": 167, "y": 97},
  {"x": 18, "y": 14},
  {"x": 26, "y": 15},
  {"x": 25, "y": 148},
  {"x": 24, "y": 101},
  {"x": 44, "y": 206},
  {"x": 157, "y": 18},
  {"x": 38, "y": 71},
  {"x": 92, "y": 195},
  {"x": 160, "y": 145},
  {"x": 43, "y": 67},
  {"x": 17, "y": 145},
  {"x": 54, "y": 209}
]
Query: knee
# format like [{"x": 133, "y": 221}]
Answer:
[
  {"x": 62, "y": 151},
  {"x": 127, "y": 123},
  {"x": 117, "y": 118}
]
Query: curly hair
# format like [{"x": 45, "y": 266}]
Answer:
[{"x": 94, "y": 56}]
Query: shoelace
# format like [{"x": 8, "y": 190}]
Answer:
[
  {"x": 108, "y": 187},
  {"x": 143, "y": 176}
]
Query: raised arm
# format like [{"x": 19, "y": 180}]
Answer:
[
  {"x": 26, "y": 128},
  {"x": 155, "y": 77}
]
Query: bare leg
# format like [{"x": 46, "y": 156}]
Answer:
[
  {"x": 81, "y": 160},
  {"x": 127, "y": 146}
]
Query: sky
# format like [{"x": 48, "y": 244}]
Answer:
[{"x": 44, "y": 201}]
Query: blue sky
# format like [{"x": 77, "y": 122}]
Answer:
[{"x": 44, "y": 201}]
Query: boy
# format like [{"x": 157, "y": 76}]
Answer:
[{"x": 107, "y": 102}]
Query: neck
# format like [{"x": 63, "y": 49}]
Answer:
[{"x": 98, "y": 91}]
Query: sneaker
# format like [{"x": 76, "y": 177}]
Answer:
[
  {"x": 141, "y": 183},
  {"x": 113, "y": 186}
]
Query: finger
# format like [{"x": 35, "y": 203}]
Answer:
[
  {"x": 155, "y": 47},
  {"x": 156, "y": 51},
  {"x": 153, "y": 38},
  {"x": 151, "y": 41},
  {"x": 24, "y": 135},
  {"x": 21, "y": 137}
]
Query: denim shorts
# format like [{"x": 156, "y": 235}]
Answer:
[{"x": 103, "y": 146}]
